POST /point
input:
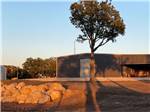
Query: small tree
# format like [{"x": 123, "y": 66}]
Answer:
[{"x": 100, "y": 23}]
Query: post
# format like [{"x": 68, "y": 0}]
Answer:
[
  {"x": 17, "y": 73},
  {"x": 56, "y": 68},
  {"x": 75, "y": 46}
]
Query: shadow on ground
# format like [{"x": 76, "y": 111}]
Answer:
[{"x": 115, "y": 97}]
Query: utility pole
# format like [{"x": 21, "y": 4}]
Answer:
[
  {"x": 56, "y": 68},
  {"x": 75, "y": 46},
  {"x": 17, "y": 73}
]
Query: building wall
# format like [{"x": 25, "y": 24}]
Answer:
[
  {"x": 106, "y": 64},
  {"x": 136, "y": 59}
]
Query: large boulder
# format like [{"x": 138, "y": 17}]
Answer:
[
  {"x": 44, "y": 99},
  {"x": 22, "y": 98},
  {"x": 8, "y": 99},
  {"x": 26, "y": 90},
  {"x": 55, "y": 95},
  {"x": 37, "y": 97},
  {"x": 56, "y": 87},
  {"x": 20, "y": 85},
  {"x": 41, "y": 88},
  {"x": 11, "y": 86},
  {"x": 6, "y": 93},
  {"x": 29, "y": 99},
  {"x": 16, "y": 93}
]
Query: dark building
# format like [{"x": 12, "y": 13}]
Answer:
[{"x": 106, "y": 65}]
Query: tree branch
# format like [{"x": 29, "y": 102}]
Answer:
[{"x": 101, "y": 43}]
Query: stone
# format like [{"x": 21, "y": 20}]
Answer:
[
  {"x": 29, "y": 99},
  {"x": 36, "y": 95},
  {"x": 13, "y": 85},
  {"x": 26, "y": 90},
  {"x": 22, "y": 98},
  {"x": 55, "y": 95},
  {"x": 21, "y": 93},
  {"x": 20, "y": 85},
  {"x": 41, "y": 88},
  {"x": 8, "y": 99},
  {"x": 6, "y": 93},
  {"x": 16, "y": 93},
  {"x": 11, "y": 89},
  {"x": 44, "y": 99},
  {"x": 3, "y": 89},
  {"x": 57, "y": 87}
]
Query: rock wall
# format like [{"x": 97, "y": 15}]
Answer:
[{"x": 39, "y": 94}]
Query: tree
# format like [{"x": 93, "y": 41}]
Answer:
[
  {"x": 99, "y": 22},
  {"x": 13, "y": 72},
  {"x": 37, "y": 67}
]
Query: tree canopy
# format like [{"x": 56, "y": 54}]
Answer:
[
  {"x": 37, "y": 67},
  {"x": 100, "y": 22}
]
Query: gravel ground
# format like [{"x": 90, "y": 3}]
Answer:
[{"x": 112, "y": 96}]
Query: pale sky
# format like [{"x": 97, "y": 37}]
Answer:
[{"x": 43, "y": 29}]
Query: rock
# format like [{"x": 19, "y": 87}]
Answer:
[
  {"x": 57, "y": 87},
  {"x": 20, "y": 85},
  {"x": 55, "y": 95},
  {"x": 28, "y": 100},
  {"x": 37, "y": 96},
  {"x": 11, "y": 86},
  {"x": 21, "y": 93},
  {"x": 22, "y": 98},
  {"x": 26, "y": 90},
  {"x": 6, "y": 93},
  {"x": 41, "y": 88},
  {"x": 3, "y": 89},
  {"x": 8, "y": 99},
  {"x": 44, "y": 99},
  {"x": 16, "y": 93}
]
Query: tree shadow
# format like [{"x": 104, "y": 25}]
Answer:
[
  {"x": 106, "y": 62},
  {"x": 92, "y": 104},
  {"x": 120, "y": 99}
]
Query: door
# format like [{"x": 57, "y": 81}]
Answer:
[{"x": 85, "y": 68}]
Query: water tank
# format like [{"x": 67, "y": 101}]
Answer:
[{"x": 2, "y": 73}]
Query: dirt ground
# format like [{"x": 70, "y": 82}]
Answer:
[{"x": 112, "y": 96}]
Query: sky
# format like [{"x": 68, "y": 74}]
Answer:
[{"x": 43, "y": 29}]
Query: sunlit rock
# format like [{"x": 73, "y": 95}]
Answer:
[
  {"x": 20, "y": 85},
  {"x": 55, "y": 95},
  {"x": 8, "y": 99},
  {"x": 56, "y": 87},
  {"x": 22, "y": 98},
  {"x": 11, "y": 86},
  {"x": 44, "y": 99},
  {"x": 26, "y": 90}
]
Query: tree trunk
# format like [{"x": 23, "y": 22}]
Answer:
[
  {"x": 93, "y": 85},
  {"x": 92, "y": 67}
]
